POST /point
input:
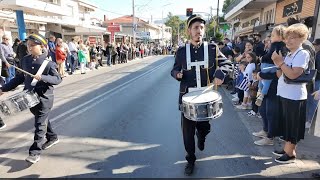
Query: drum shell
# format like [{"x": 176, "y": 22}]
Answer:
[
  {"x": 18, "y": 102},
  {"x": 205, "y": 111}
]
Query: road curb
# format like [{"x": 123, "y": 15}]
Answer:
[{"x": 308, "y": 151}]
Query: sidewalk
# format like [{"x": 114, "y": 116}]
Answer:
[
  {"x": 77, "y": 76},
  {"x": 308, "y": 150}
]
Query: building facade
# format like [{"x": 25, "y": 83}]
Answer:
[
  {"x": 145, "y": 31},
  {"x": 259, "y": 16},
  {"x": 62, "y": 18}
]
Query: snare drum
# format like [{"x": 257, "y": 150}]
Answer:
[
  {"x": 19, "y": 102},
  {"x": 202, "y": 106}
]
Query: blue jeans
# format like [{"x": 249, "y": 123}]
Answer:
[
  {"x": 12, "y": 73},
  {"x": 269, "y": 111},
  {"x": 311, "y": 103},
  {"x": 109, "y": 59},
  {"x": 264, "y": 85},
  {"x": 53, "y": 56},
  {"x": 73, "y": 61}
]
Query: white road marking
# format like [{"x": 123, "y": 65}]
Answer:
[{"x": 80, "y": 109}]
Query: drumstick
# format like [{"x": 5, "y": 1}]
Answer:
[
  {"x": 209, "y": 87},
  {"x": 26, "y": 72}
]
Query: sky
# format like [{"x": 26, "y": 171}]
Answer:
[{"x": 146, "y": 8}]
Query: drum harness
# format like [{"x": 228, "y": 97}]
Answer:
[{"x": 204, "y": 63}]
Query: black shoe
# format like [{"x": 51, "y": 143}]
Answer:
[
  {"x": 285, "y": 159},
  {"x": 315, "y": 175},
  {"x": 200, "y": 142},
  {"x": 49, "y": 144},
  {"x": 234, "y": 92},
  {"x": 201, "y": 145},
  {"x": 2, "y": 124},
  {"x": 188, "y": 170},
  {"x": 278, "y": 153},
  {"x": 33, "y": 159}
]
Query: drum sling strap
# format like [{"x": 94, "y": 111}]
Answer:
[{"x": 198, "y": 64}]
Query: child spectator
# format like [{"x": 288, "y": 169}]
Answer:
[
  {"x": 251, "y": 59},
  {"x": 267, "y": 65},
  {"x": 253, "y": 88}
]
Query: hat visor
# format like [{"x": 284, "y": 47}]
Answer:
[{"x": 195, "y": 19}]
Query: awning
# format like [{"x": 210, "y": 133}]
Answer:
[
  {"x": 244, "y": 31},
  {"x": 262, "y": 28}
]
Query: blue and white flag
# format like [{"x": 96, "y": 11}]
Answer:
[{"x": 243, "y": 85}]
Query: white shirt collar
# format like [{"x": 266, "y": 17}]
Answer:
[{"x": 293, "y": 54}]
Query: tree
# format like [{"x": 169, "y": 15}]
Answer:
[
  {"x": 219, "y": 36},
  {"x": 211, "y": 28},
  {"x": 226, "y": 4},
  {"x": 176, "y": 24}
]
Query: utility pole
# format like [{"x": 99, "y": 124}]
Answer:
[
  {"x": 133, "y": 24},
  {"x": 178, "y": 35},
  {"x": 218, "y": 15},
  {"x": 162, "y": 28},
  {"x": 211, "y": 14}
]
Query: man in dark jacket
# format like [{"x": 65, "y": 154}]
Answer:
[
  {"x": 258, "y": 45},
  {"x": 187, "y": 78}
]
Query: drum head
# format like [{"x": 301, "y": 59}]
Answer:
[{"x": 201, "y": 97}]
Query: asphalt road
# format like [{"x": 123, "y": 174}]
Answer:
[{"x": 124, "y": 122}]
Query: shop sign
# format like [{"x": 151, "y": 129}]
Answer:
[{"x": 293, "y": 8}]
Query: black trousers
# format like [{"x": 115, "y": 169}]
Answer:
[
  {"x": 43, "y": 128},
  {"x": 188, "y": 131},
  {"x": 255, "y": 108}
]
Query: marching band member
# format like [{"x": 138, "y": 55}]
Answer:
[
  {"x": 44, "y": 88},
  {"x": 187, "y": 78}
]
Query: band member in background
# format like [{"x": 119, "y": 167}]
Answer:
[
  {"x": 44, "y": 88},
  {"x": 196, "y": 30}
]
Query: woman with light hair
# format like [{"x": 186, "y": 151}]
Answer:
[{"x": 293, "y": 97}]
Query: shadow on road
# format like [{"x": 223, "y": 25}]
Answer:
[
  {"x": 135, "y": 164},
  {"x": 16, "y": 165}
]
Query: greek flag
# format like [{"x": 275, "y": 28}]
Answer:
[{"x": 243, "y": 85}]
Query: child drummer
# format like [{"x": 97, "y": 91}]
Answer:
[{"x": 44, "y": 88}]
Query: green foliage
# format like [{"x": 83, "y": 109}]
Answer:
[
  {"x": 211, "y": 28},
  {"x": 219, "y": 36},
  {"x": 176, "y": 23},
  {"x": 226, "y": 3}
]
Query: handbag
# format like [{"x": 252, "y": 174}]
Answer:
[{"x": 307, "y": 76}]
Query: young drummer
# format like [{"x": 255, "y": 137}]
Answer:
[{"x": 44, "y": 88}]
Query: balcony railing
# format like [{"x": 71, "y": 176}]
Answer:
[{"x": 232, "y": 5}]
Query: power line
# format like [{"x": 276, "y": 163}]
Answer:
[{"x": 124, "y": 14}]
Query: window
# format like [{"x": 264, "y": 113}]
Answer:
[
  {"x": 272, "y": 19},
  {"x": 54, "y": 1},
  {"x": 69, "y": 8}
]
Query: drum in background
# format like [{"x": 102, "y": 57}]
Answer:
[
  {"x": 18, "y": 102},
  {"x": 202, "y": 106}
]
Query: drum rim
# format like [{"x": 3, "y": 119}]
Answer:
[
  {"x": 206, "y": 119},
  {"x": 208, "y": 102}
]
